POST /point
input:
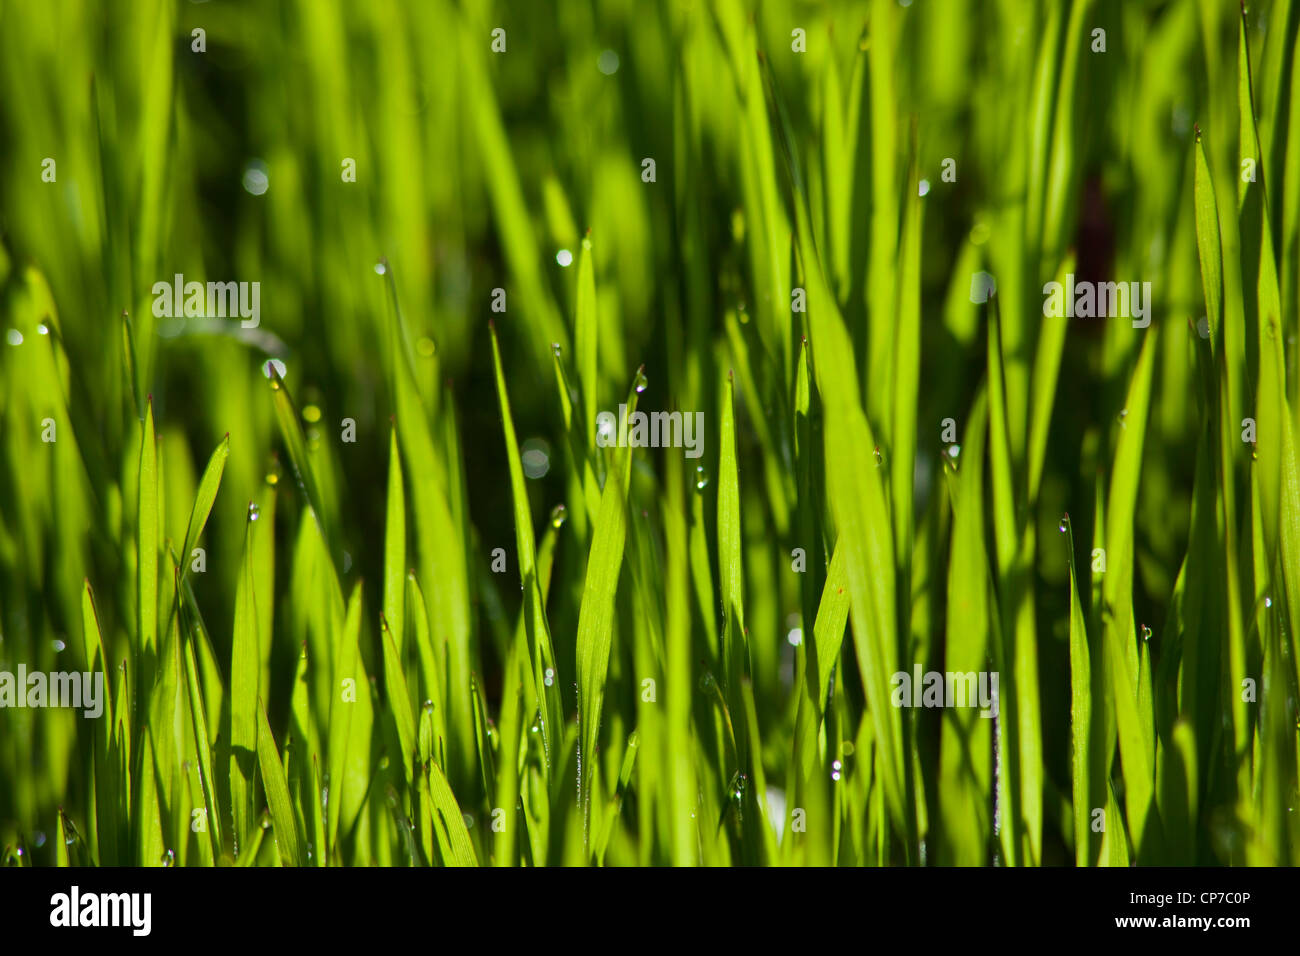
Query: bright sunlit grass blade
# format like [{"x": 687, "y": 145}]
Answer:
[
  {"x": 283, "y": 819},
  {"x": 596, "y": 620}
]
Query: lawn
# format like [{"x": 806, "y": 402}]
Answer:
[{"x": 692, "y": 432}]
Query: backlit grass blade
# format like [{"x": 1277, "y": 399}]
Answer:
[
  {"x": 1084, "y": 788},
  {"x": 399, "y": 701},
  {"x": 966, "y": 784},
  {"x": 147, "y": 538},
  {"x": 199, "y": 720},
  {"x": 395, "y": 550},
  {"x": 345, "y": 683},
  {"x": 244, "y": 695},
  {"x": 735, "y": 649},
  {"x": 1137, "y": 748},
  {"x": 274, "y": 780},
  {"x": 596, "y": 618},
  {"x": 538, "y": 630},
  {"x": 287, "y": 417},
  {"x": 203, "y": 501},
  {"x": 449, "y": 822}
]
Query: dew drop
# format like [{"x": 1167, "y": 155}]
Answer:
[
  {"x": 1064, "y": 523},
  {"x": 701, "y": 478},
  {"x": 255, "y": 179},
  {"x": 564, "y": 257},
  {"x": 1268, "y": 602},
  {"x": 1146, "y": 633},
  {"x": 559, "y": 515},
  {"x": 59, "y": 645},
  {"x": 381, "y": 267},
  {"x": 555, "y": 348},
  {"x": 278, "y": 367},
  {"x": 43, "y": 329},
  {"x": 168, "y": 858},
  {"x": 549, "y": 677},
  {"x": 738, "y": 786},
  {"x": 880, "y": 458},
  {"x": 254, "y": 512},
  {"x": 641, "y": 381}
]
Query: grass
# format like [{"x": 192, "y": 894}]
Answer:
[{"x": 396, "y": 601}]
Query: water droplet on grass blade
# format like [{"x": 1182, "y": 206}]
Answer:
[
  {"x": 559, "y": 515},
  {"x": 279, "y": 368},
  {"x": 701, "y": 478},
  {"x": 254, "y": 512},
  {"x": 1146, "y": 633},
  {"x": 255, "y": 179},
  {"x": 1064, "y": 523},
  {"x": 641, "y": 382}
]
